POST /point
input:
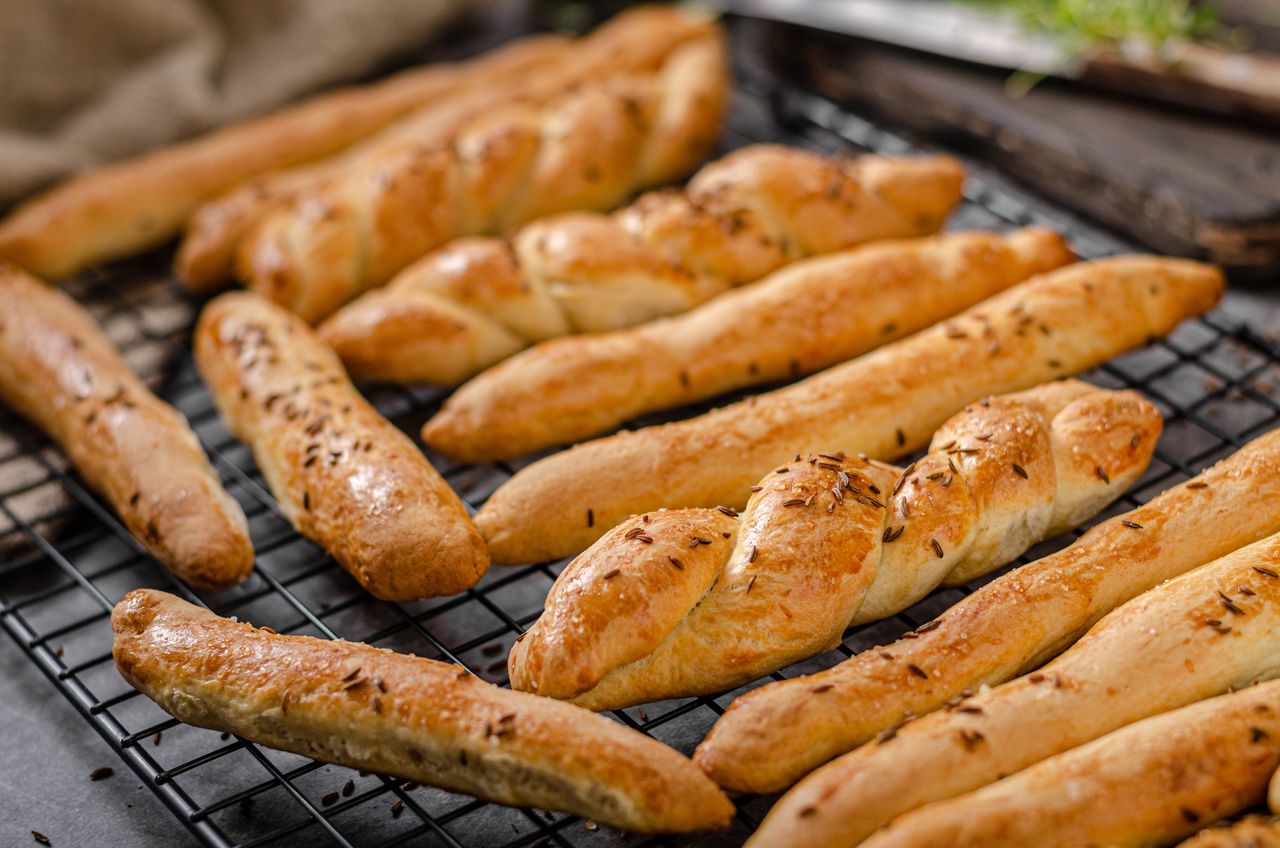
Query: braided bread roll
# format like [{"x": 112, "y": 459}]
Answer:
[
  {"x": 1209, "y": 631},
  {"x": 1254, "y": 831},
  {"x": 59, "y": 369},
  {"x": 808, "y": 316},
  {"x": 142, "y": 202},
  {"x": 771, "y": 737},
  {"x": 649, "y": 613},
  {"x": 884, "y": 404},
  {"x": 589, "y": 148},
  {"x": 531, "y": 70},
  {"x": 1150, "y": 783},
  {"x": 345, "y": 477},
  {"x": 419, "y": 719},
  {"x": 464, "y": 308}
]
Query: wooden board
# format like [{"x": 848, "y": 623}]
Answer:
[{"x": 1182, "y": 184}]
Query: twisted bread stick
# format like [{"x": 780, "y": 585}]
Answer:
[
  {"x": 60, "y": 370},
  {"x": 142, "y": 202},
  {"x": 1250, "y": 832},
  {"x": 1150, "y": 783},
  {"x": 419, "y": 719},
  {"x": 823, "y": 542},
  {"x": 530, "y": 71},
  {"x": 773, "y": 736},
  {"x": 884, "y": 404},
  {"x": 1202, "y": 634},
  {"x": 464, "y": 308},
  {"x": 800, "y": 319},
  {"x": 344, "y": 476},
  {"x": 587, "y": 149}
]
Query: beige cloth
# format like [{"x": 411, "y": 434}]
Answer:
[{"x": 86, "y": 81}]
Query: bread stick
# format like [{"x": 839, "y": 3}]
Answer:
[
  {"x": 418, "y": 719},
  {"x": 650, "y": 613},
  {"x": 61, "y": 371},
  {"x": 806, "y": 317},
  {"x": 1254, "y": 831},
  {"x": 526, "y": 73},
  {"x": 1211, "y": 630},
  {"x": 344, "y": 475},
  {"x": 476, "y": 301},
  {"x": 1150, "y": 783},
  {"x": 883, "y": 404},
  {"x": 773, "y": 736}
]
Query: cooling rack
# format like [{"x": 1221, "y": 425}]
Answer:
[{"x": 68, "y": 559}]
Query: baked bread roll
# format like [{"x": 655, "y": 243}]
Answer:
[
  {"x": 345, "y": 477},
  {"x": 635, "y": 40},
  {"x": 1207, "y": 632},
  {"x": 139, "y": 203},
  {"x": 773, "y": 736},
  {"x": 1250, "y": 832},
  {"x": 884, "y": 404},
  {"x": 61, "y": 371},
  {"x": 574, "y": 388},
  {"x": 587, "y": 148},
  {"x": 649, "y": 613},
  {"x": 463, "y": 308},
  {"x": 1150, "y": 783},
  {"x": 372, "y": 709}
]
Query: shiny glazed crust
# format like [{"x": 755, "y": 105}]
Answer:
[
  {"x": 823, "y": 541},
  {"x": 60, "y": 370},
  {"x": 806, "y": 317},
  {"x": 418, "y": 719},
  {"x": 1194, "y": 637},
  {"x": 345, "y": 477},
  {"x": 529, "y": 72},
  {"x": 884, "y": 404},
  {"x": 463, "y": 308},
  {"x": 577, "y": 139},
  {"x": 1150, "y": 783},
  {"x": 773, "y": 736}
]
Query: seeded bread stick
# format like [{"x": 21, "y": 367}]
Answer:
[
  {"x": 346, "y": 477},
  {"x": 1209, "y": 631},
  {"x": 61, "y": 371},
  {"x": 418, "y": 719},
  {"x": 883, "y": 404},
  {"x": 1150, "y": 783},
  {"x": 773, "y": 736},
  {"x": 806, "y": 317}
]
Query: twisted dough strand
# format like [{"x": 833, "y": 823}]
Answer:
[
  {"x": 530, "y": 70},
  {"x": 478, "y": 301},
  {"x": 699, "y": 600},
  {"x": 585, "y": 149}
]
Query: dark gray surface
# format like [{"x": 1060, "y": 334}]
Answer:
[{"x": 45, "y": 761}]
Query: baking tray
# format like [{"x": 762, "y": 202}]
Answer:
[{"x": 68, "y": 559}]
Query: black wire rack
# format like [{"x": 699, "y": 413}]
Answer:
[{"x": 69, "y": 559}]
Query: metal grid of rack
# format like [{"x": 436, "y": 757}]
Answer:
[{"x": 68, "y": 559}]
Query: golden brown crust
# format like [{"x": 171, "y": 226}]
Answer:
[
  {"x": 419, "y": 719},
  {"x": 1150, "y": 783},
  {"x": 821, "y": 539},
  {"x": 639, "y": 104},
  {"x": 60, "y": 370},
  {"x": 773, "y": 736},
  {"x": 801, "y": 319},
  {"x": 883, "y": 404},
  {"x": 463, "y": 308},
  {"x": 1197, "y": 636},
  {"x": 343, "y": 474},
  {"x": 144, "y": 201}
]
